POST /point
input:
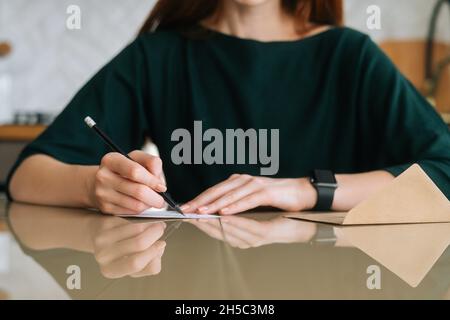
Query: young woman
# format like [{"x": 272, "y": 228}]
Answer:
[{"x": 338, "y": 102}]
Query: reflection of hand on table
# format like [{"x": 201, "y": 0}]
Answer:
[
  {"x": 123, "y": 248},
  {"x": 245, "y": 233}
]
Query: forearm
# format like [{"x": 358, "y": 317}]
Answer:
[
  {"x": 43, "y": 227},
  {"x": 352, "y": 189},
  {"x": 41, "y": 179}
]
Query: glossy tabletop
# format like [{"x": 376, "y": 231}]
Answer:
[{"x": 87, "y": 255}]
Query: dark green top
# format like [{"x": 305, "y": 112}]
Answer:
[{"x": 337, "y": 100}]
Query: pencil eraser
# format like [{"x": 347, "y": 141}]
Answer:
[{"x": 89, "y": 122}]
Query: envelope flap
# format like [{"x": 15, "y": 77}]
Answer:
[{"x": 410, "y": 198}]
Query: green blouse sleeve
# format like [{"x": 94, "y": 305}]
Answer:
[
  {"x": 115, "y": 98},
  {"x": 409, "y": 129}
]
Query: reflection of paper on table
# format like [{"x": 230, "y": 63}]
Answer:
[{"x": 170, "y": 215}]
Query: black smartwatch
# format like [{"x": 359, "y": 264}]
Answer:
[{"x": 325, "y": 183}]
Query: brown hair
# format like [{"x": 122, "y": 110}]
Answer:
[{"x": 184, "y": 14}]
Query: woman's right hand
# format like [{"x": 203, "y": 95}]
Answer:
[
  {"x": 123, "y": 248},
  {"x": 122, "y": 186}
]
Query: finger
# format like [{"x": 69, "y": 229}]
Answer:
[
  {"x": 138, "y": 191},
  {"x": 217, "y": 231},
  {"x": 232, "y": 196},
  {"x": 109, "y": 208},
  {"x": 232, "y": 234},
  {"x": 132, "y": 170},
  {"x": 255, "y": 227},
  {"x": 212, "y": 230},
  {"x": 133, "y": 263},
  {"x": 215, "y": 192},
  {"x": 249, "y": 202},
  {"x": 151, "y": 163},
  {"x": 127, "y": 247},
  {"x": 107, "y": 223},
  {"x": 244, "y": 237},
  {"x": 236, "y": 243},
  {"x": 122, "y": 232},
  {"x": 153, "y": 268},
  {"x": 124, "y": 201}
]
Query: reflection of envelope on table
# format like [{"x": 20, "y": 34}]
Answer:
[
  {"x": 412, "y": 197},
  {"x": 408, "y": 250}
]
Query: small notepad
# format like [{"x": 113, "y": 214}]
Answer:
[{"x": 156, "y": 214}]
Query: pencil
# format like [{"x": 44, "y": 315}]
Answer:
[{"x": 91, "y": 124}]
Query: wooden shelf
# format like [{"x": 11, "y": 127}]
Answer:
[
  {"x": 446, "y": 117},
  {"x": 20, "y": 133}
]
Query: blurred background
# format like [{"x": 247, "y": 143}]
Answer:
[{"x": 43, "y": 64}]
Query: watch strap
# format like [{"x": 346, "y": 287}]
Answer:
[
  {"x": 325, "y": 184},
  {"x": 325, "y": 196}
]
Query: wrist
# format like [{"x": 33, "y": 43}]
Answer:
[
  {"x": 87, "y": 174},
  {"x": 308, "y": 194}
]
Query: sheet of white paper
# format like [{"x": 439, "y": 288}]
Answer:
[{"x": 170, "y": 215}]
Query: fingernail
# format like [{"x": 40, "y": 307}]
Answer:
[
  {"x": 161, "y": 188},
  {"x": 224, "y": 210},
  {"x": 203, "y": 209},
  {"x": 184, "y": 207}
]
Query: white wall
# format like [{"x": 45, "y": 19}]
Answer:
[
  {"x": 400, "y": 19},
  {"x": 50, "y": 63}
]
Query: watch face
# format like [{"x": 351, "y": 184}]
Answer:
[{"x": 324, "y": 177}]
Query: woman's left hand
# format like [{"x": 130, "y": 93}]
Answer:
[
  {"x": 244, "y": 233},
  {"x": 242, "y": 192}
]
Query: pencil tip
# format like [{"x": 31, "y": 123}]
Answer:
[{"x": 178, "y": 209}]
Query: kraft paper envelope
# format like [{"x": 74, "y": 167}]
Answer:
[
  {"x": 408, "y": 250},
  {"x": 412, "y": 197}
]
